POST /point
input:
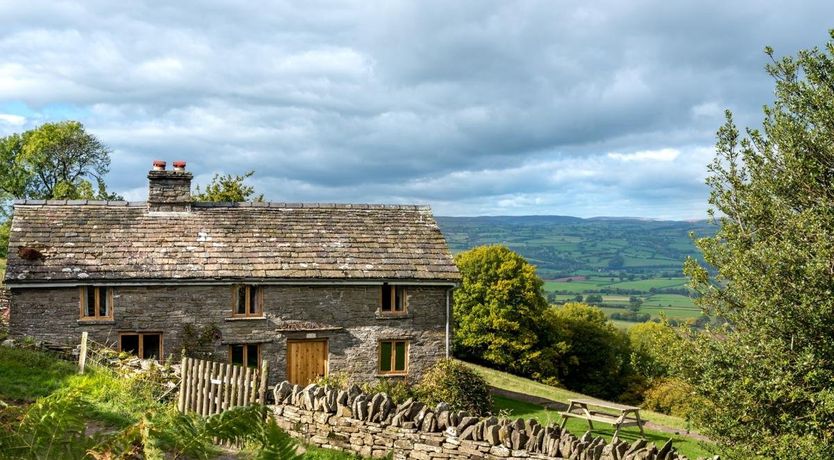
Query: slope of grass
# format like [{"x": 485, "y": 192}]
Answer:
[
  {"x": 513, "y": 408},
  {"x": 518, "y": 384},
  {"x": 112, "y": 402},
  {"x": 26, "y": 375}
]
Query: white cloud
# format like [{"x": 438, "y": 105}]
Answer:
[
  {"x": 13, "y": 120},
  {"x": 646, "y": 155}
]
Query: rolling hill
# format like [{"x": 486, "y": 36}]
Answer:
[{"x": 562, "y": 246}]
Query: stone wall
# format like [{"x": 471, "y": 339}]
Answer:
[
  {"x": 169, "y": 191},
  {"x": 5, "y": 300},
  {"x": 350, "y": 313},
  {"x": 372, "y": 425}
]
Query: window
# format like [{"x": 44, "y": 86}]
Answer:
[
  {"x": 96, "y": 302},
  {"x": 394, "y": 299},
  {"x": 393, "y": 357},
  {"x": 143, "y": 345},
  {"x": 245, "y": 355},
  {"x": 247, "y": 301}
]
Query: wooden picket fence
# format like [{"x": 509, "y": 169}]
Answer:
[{"x": 210, "y": 387}]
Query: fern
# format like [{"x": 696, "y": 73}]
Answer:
[
  {"x": 276, "y": 443},
  {"x": 52, "y": 427}
]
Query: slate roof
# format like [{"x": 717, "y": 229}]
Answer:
[{"x": 89, "y": 241}]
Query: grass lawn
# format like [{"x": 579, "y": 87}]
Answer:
[
  {"x": 518, "y": 384},
  {"x": 27, "y": 375},
  {"x": 514, "y": 409}
]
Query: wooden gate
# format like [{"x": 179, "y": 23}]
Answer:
[
  {"x": 210, "y": 387},
  {"x": 306, "y": 360}
]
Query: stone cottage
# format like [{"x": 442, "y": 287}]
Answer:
[{"x": 311, "y": 288}]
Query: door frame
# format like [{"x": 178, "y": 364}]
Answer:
[{"x": 326, "y": 341}]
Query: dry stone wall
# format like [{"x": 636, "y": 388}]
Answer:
[{"x": 373, "y": 425}]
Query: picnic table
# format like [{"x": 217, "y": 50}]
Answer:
[{"x": 582, "y": 409}]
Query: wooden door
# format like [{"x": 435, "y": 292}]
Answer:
[{"x": 306, "y": 360}]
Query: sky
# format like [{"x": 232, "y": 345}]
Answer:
[{"x": 602, "y": 108}]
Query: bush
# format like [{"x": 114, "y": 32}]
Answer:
[
  {"x": 670, "y": 396},
  {"x": 398, "y": 389},
  {"x": 340, "y": 380},
  {"x": 452, "y": 382}
]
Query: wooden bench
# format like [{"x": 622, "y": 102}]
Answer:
[{"x": 581, "y": 408}]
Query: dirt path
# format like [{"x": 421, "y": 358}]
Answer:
[{"x": 560, "y": 406}]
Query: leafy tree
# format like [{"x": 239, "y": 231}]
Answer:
[
  {"x": 228, "y": 188},
  {"x": 498, "y": 313},
  {"x": 650, "y": 345},
  {"x": 53, "y": 161},
  {"x": 634, "y": 303},
  {"x": 769, "y": 372},
  {"x": 593, "y": 299},
  {"x": 596, "y": 360}
]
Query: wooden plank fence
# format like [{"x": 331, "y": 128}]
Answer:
[{"x": 209, "y": 387}]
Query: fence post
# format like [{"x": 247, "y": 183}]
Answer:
[
  {"x": 262, "y": 388},
  {"x": 82, "y": 354},
  {"x": 183, "y": 382}
]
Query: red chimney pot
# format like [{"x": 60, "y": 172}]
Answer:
[
  {"x": 158, "y": 165},
  {"x": 179, "y": 164}
]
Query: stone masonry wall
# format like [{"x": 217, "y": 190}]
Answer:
[
  {"x": 52, "y": 315},
  {"x": 373, "y": 425},
  {"x": 169, "y": 191}
]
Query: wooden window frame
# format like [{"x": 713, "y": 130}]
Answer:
[
  {"x": 245, "y": 353},
  {"x": 403, "y": 294},
  {"x": 82, "y": 303},
  {"x": 259, "y": 301},
  {"x": 393, "y": 370},
  {"x": 141, "y": 351}
]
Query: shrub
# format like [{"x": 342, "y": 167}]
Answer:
[
  {"x": 452, "y": 382},
  {"x": 398, "y": 389},
  {"x": 670, "y": 396},
  {"x": 339, "y": 380}
]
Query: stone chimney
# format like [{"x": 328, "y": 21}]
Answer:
[{"x": 169, "y": 191}]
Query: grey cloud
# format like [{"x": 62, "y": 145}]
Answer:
[{"x": 474, "y": 106}]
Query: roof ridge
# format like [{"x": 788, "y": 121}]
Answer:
[{"x": 226, "y": 204}]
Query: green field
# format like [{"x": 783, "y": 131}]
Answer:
[
  {"x": 657, "y": 304},
  {"x": 594, "y": 283},
  {"x": 563, "y": 246},
  {"x": 515, "y": 408}
]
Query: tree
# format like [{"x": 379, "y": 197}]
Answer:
[
  {"x": 769, "y": 372},
  {"x": 228, "y": 188},
  {"x": 650, "y": 345},
  {"x": 593, "y": 299},
  {"x": 634, "y": 303},
  {"x": 596, "y": 359},
  {"x": 498, "y": 313},
  {"x": 53, "y": 161}
]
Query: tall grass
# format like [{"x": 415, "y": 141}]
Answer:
[{"x": 101, "y": 415}]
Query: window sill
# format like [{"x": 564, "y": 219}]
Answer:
[
  {"x": 384, "y": 316},
  {"x": 392, "y": 374},
  {"x": 245, "y": 318},
  {"x": 93, "y": 322}
]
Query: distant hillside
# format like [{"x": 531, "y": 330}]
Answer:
[{"x": 564, "y": 246}]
